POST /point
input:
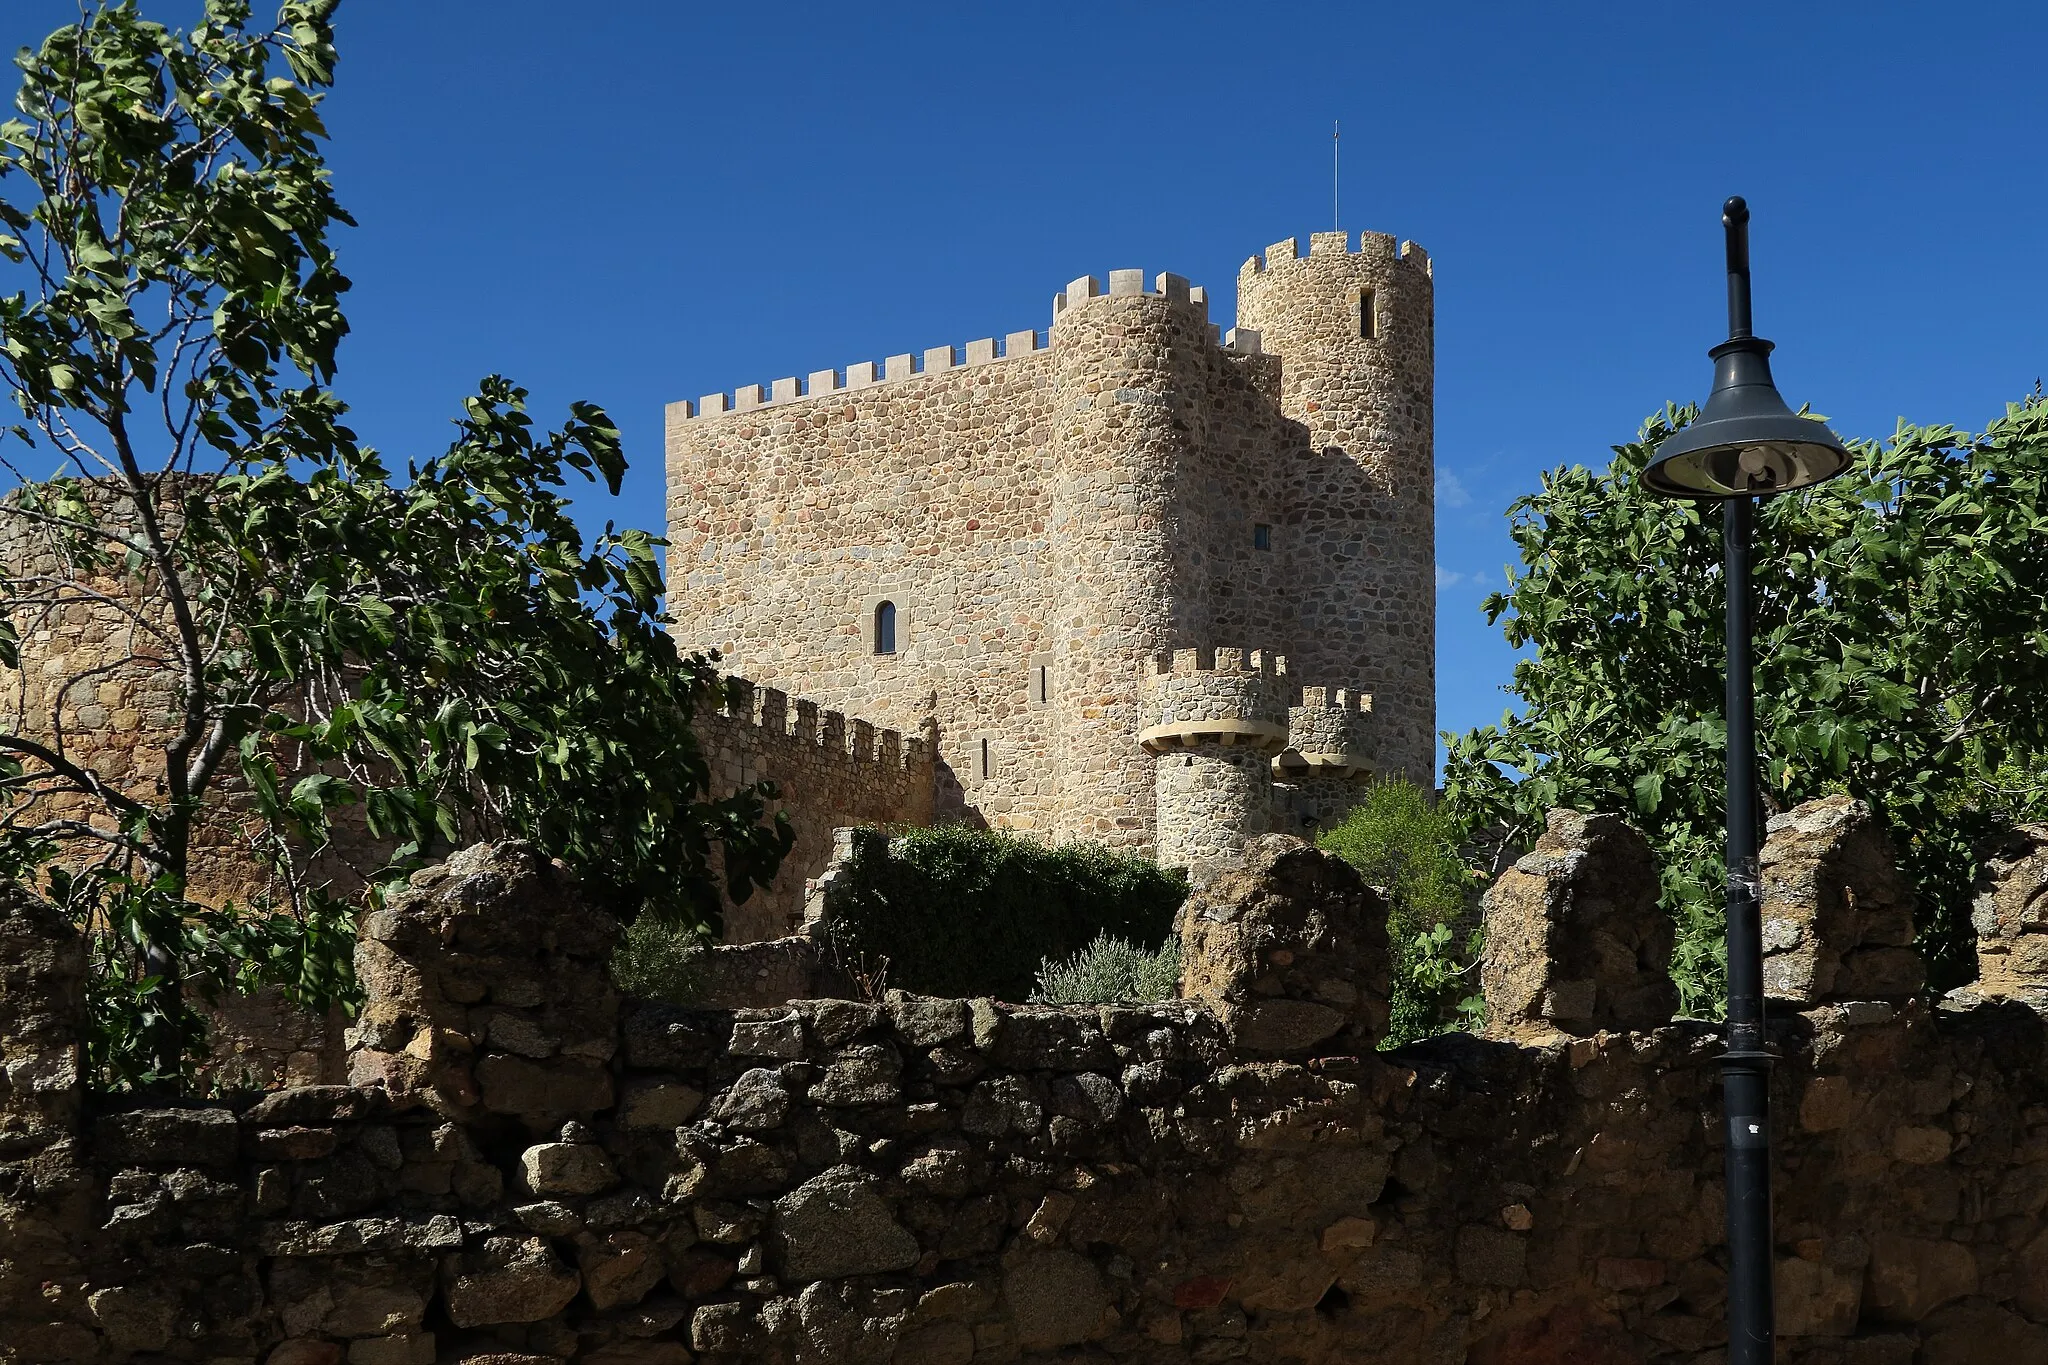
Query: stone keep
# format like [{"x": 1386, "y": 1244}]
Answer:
[{"x": 1041, "y": 517}]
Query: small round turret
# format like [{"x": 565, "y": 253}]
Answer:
[
  {"x": 1331, "y": 758},
  {"x": 1212, "y": 724}
]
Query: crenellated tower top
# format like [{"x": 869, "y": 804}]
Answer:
[{"x": 1232, "y": 697}]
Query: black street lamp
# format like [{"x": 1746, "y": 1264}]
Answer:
[{"x": 1746, "y": 444}]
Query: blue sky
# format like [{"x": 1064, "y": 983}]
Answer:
[{"x": 637, "y": 202}]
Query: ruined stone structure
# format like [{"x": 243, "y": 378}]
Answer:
[
  {"x": 526, "y": 1169},
  {"x": 999, "y": 544}
]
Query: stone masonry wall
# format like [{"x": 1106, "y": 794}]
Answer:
[
  {"x": 531, "y": 1171},
  {"x": 831, "y": 772},
  {"x": 1047, "y": 512},
  {"x": 789, "y": 524}
]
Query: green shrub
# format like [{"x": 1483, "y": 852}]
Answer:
[
  {"x": 962, "y": 912},
  {"x": 1109, "y": 970},
  {"x": 1402, "y": 843},
  {"x": 656, "y": 961}
]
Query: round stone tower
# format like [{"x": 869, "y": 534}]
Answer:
[
  {"x": 1355, "y": 334},
  {"x": 1126, "y": 417},
  {"x": 1212, "y": 723},
  {"x": 1330, "y": 757}
]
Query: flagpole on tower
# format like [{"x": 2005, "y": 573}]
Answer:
[{"x": 1336, "y": 221}]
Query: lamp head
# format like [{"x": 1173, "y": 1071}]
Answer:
[{"x": 1747, "y": 442}]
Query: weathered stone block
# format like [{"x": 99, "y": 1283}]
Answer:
[
  {"x": 543, "y": 1093},
  {"x": 1289, "y": 949},
  {"x": 619, "y": 1269},
  {"x": 658, "y": 1104},
  {"x": 42, "y": 975},
  {"x": 2011, "y": 917},
  {"x": 507, "y": 1279},
  {"x": 567, "y": 1168},
  {"x": 837, "y": 1224},
  {"x": 1574, "y": 937},
  {"x": 169, "y": 1137},
  {"x": 755, "y": 1103},
  {"x": 1837, "y": 916},
  {"x": 922, "y": 1021},
  {"x": 1054, "y": 1298}
]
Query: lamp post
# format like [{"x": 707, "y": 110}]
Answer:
[{"x": 1746, "y": 444}]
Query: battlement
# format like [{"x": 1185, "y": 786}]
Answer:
[
  {"x": 868, "y": 374},
  {"x": 1221, "y": 696},
  {"x": 1334, "y": 699},
  {"x": 1371, "y": 246},
  {"x": 1330, "y": 734},
  {"x": 1131, "y": 284},
  {"x": 1220, "y": 660},
  {"x": 776, "y": 713}
]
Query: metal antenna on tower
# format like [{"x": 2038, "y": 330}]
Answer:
[{"x": 1336, "y": 222}]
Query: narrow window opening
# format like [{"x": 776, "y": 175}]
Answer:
[
  {"x": 1368, "y": 320},
  {"x": 984, "y": 758},
  {"x": 1040, "y": 683},
  {"x": 885, "y": 628},
  {"x": 1262, "y": 536}
]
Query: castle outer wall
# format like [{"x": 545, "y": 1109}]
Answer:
[
  {"x": 1049, "y": 513},
  {"x": 828, "y": 771}
]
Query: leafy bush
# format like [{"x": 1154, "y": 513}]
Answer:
[
  {"x": 1109, "y": 970},
  {"x": 1402, "y": 843},
  {"x": 963, "y": 912},
  {"x": 659, "y": 961}
]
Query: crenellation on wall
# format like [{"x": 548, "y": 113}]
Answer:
[
  {"x": 1372, "y": 246},
  {"x": 1213, "y": 719},
  {"x": 830, "y": 769},
  {"x": 1332, "y": 727},
  {"x": 863, "y": 374}
]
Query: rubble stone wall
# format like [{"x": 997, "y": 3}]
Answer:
[{"x": 528, "y": 1170}]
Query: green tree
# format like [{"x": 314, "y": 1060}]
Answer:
[
  {"x": 1902, "y": 648},
  {"x": 423, "y": 657},
  {"x": 1401, "y": 841}
]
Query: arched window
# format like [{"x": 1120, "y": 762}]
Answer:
[{"x": 885, "y": 628}]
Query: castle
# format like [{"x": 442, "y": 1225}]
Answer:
[{"x": 1130, "y": 579}]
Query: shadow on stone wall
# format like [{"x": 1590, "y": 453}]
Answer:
[{"x": 527, "y": 1169}]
